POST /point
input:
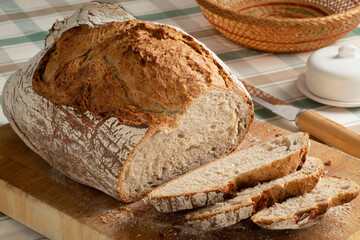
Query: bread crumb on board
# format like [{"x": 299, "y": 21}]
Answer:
[{"x": 328, "y": 163}]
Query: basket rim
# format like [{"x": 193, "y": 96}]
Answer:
[{"x": 231, "y": 14}]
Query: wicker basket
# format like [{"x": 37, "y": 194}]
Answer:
[{"x": 282, "y": 26}]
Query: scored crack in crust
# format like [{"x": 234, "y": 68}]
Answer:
[{"x": 123, "y": 69}]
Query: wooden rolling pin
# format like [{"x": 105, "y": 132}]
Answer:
[{"x": 329, "y": 132}]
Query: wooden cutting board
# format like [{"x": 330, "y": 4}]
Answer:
[{"x": 40, "y": 197}]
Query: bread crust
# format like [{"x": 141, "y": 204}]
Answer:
[
  {"x": 222, "y": 219},
  {"x": 85, "y": 146}
]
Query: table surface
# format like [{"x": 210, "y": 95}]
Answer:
[{"x": 24, "y": 26}]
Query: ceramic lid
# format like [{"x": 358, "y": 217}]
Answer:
[{"x": 334, "y": 73}]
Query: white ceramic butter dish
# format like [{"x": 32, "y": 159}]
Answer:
[{"x": 333, "y": 76}]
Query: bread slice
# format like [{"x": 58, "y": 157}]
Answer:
[
  {"x": 251, "y": 200},
  {"x": 304, "y": 210},
  {"x": 124, "y": 105},
  {"x": 208, "y": 184}
]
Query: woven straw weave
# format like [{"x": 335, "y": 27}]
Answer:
[{"x": 282, "y": 26}]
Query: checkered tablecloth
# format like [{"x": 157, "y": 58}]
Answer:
[{"x": 24, "y": 25}]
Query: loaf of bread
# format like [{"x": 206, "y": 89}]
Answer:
[
  {"x": 250, "y": 200},
  {"x": 209, "y": 184},
  {"x": 124, "y": 105}
]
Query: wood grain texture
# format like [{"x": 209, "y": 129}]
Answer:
[
  {"x": 40, "y": 197},
  {"x": 330, "y": 132}
]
